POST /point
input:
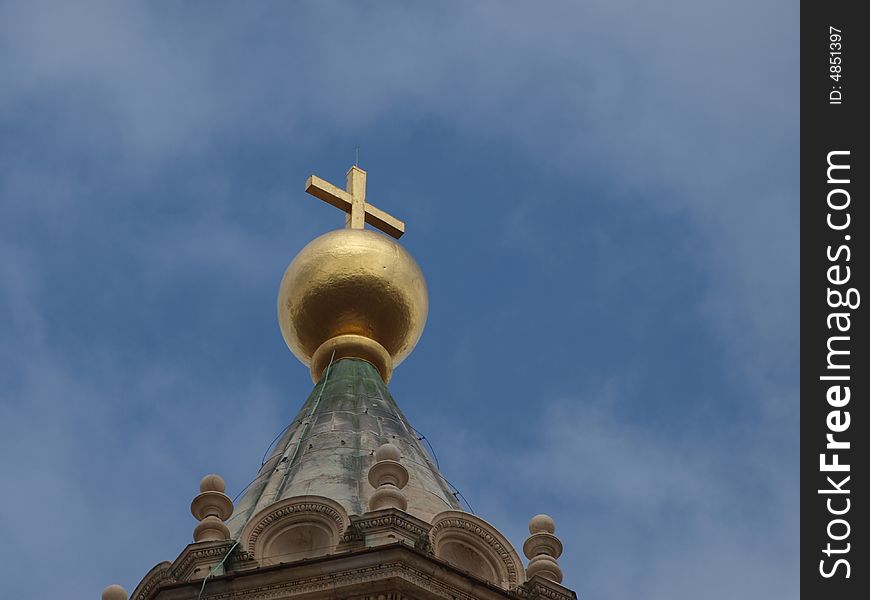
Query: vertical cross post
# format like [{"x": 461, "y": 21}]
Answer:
[{"x": 356, "y": 186}]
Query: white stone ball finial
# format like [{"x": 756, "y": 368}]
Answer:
[
  {"x": 212, "y": 483},
  {"x": 542, "y": 548},
  {"x": 387, "y": 452},
  {"x": 540, "y": 523},
  {"x": 388, "y": 476},
  {"x": 212, "y": 507},
  {"x": 114, "y": 592}
]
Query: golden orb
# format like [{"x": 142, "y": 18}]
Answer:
[{"x": 356, "y": 293}]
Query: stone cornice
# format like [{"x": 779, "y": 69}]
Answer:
[
  {"x": 200, "y": 552},
  {"x": 179, "y": 571},
  {"x": 148, "y": 586},
  {"x": 352, "y": 571},
  {"x": 395, "y": 568},
  {"x": 391, "y": 518},
  {"x": 538, "y": 588},
  {"x": 334, "y": 582}
]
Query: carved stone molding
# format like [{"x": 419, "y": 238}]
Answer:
[
  {"x": 148, "y": 586},
  {"x": 387, "y": 526},
  {"x": 352, "y": 535},
  {"x": 197, "y": 554},
  {"x": 241, "y": 560},
  {"x": 392, "y": 518},
  {"x": 386, "y": 572},
  {"x": 335, "y": 581},
  {"x": 539, "y": 588},
  {"x": 315, "y": 514},
  {"x": 454, "y": 531}
]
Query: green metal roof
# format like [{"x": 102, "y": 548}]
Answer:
[{"x": 328, "y": 449}]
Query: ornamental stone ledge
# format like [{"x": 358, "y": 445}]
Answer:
[
  {"x": 147, "y": 588},
  {"x": 387, "y": 569},
  {"x": 391, "y": 517},
  {"x": 540, "y": 588},
  {"x": 196, "y": 555}
]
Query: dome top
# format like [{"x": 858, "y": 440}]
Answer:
[{"x": 353, "y": 293}]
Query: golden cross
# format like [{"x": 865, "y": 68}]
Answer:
[{"x": 353, "y": 202}]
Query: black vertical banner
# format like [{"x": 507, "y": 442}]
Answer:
[{"x": 835, "y": 372}]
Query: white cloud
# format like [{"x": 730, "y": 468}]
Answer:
[{"x": 640, "y": 514}]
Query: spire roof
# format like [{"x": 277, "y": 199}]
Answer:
[
  {"x": 329, "y": 447},
  {"x": 348, "y": 474}
]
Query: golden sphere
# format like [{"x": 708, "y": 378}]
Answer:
[{"x": 357, "y": 293}]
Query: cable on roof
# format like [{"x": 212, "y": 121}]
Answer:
[
  {"x": 461, "y": 495},
  {"x": 263, "y": 462},
  {"x": 311, "y": 412},
  {"x": 280, "y": 433},
  {"x": 431, "y": 449},
  {"x": 215, "y": 568}
]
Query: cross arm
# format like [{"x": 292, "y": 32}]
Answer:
[
  {"x": 337, "y": 197},
  {"x": 343, "y": 200},
  {"x": 386, "y": 223}
]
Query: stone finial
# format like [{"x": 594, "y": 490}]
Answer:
[
  {"x": 212, "y": 507},
  {"x": 114, "y": 592},
  {"x": 388, "y": 477},
  {"x": 542, "y": 548}
]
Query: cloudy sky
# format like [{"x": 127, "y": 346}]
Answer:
[{"x": 603, "y": 196}]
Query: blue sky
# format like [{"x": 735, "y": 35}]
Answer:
[{"x": 603, "y": 197}]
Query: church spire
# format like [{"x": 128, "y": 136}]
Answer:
[
  {"x": 349, "y": 501},
  {"x": 351, "y": 306}
]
